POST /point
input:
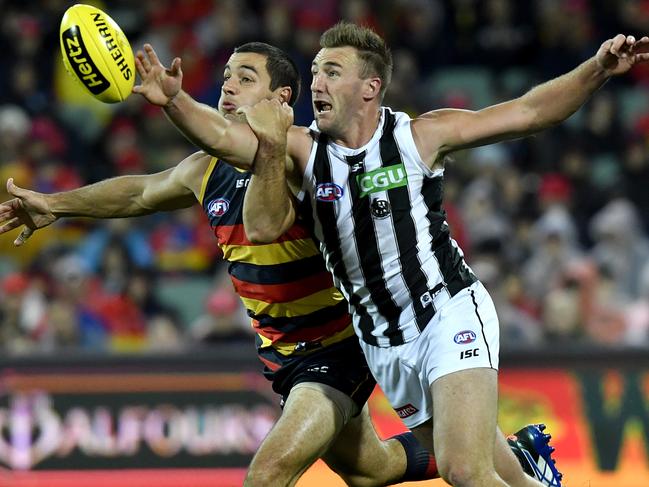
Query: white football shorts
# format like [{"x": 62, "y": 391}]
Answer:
[{"x": 463, "y": 334}]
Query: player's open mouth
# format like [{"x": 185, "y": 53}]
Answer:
[{"x": 322, "y": 106}]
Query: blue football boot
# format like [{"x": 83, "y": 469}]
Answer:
[{"x": 532, "y": 448}]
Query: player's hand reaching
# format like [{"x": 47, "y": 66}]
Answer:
[
  {"x": 618, "y": 55},
  {"x": 27, "y": 208},
  {"x": 159, "y": 85},
  {"x": 269, "y": 119}
]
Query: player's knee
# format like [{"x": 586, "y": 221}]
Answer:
[
  {"x": 365, "y": 480},
  {"x": 259, "y": 477},
  {"x": 462, "y": 473},
  {"x": 269, "y": 473}
]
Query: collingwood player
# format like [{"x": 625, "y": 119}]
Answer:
[{"x": 372, "y": 179}]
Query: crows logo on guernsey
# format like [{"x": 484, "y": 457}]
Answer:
[{"x": 218, "y": 207}]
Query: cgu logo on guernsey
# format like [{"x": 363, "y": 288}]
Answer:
[
  {"x": 328, "y": 192},
  {"x": 382, "y": 179},
  {"x": 218, "y": 207},
  {"x": 464, "y": 337}
]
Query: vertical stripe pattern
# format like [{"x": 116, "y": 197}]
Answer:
[{"x": 378, "y": 216}]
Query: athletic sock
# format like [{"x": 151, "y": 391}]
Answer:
[{"x": 421, "y": 465}]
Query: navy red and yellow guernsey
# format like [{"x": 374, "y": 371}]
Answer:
[{"x": 289, "y": 295}]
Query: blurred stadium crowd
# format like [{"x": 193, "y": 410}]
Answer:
[{"x": 555, "y": 225}]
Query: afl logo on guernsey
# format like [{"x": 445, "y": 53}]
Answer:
[
  {"x": 464, "y": 337},
  {"x": 218, "y": 207},
  {"x": 328, "y": 192}
]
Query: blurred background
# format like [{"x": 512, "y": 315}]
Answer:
[{"x": 555, "y": 225}]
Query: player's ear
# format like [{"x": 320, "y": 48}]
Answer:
[
  {"x": 285, "y": 93},
  {"x": 371, "y": 88}
]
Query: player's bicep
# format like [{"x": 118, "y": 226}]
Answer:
[
  {"x": 173, "y": 188},
  {"x": 443, "y": 131}
]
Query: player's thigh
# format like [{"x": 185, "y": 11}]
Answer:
[
  {"x": 362, "y": 458},
  {"x": 311, "y": 419},
  {"x": 464, "y": 418}
]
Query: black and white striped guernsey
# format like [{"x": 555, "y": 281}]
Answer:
[{"x": 381, "y": 227}]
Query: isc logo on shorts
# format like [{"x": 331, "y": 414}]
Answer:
[
  {"x": 405, "y": 411},
  {"x": 464, "y": 337}
]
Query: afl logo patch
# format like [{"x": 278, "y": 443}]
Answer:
[
  {"x": 328, "y": 192},
  {"x": 464, "y": 337},
  {"x": 218, "y": 207}
]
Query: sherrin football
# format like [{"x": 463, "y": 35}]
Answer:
[{"x": 97, "y": 53}]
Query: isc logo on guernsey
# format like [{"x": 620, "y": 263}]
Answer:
[{"x": 328, "y": 192}]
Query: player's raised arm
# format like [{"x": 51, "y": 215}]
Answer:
[
  {"x": 120, "y": 197},
  {"x": 268, "y": 209},
  {"x": 442, "y": 131},
  {"x": 203, "y": 125}
]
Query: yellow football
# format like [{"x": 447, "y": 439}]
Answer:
[{"x": 97, "y": 53}]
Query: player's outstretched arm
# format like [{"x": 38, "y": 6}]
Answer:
[
  {"x": 268, "y": 209},
  {"x": 442, "y": 131},
  {"x": 204, "y": 126},
  {"x": 120, "y": 197}
]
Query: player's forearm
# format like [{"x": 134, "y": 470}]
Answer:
[
  {"x": 556, "y": 100},
  {"x": 113, "y": 198},
  {"x": 203, "y": 125},
  {"x": 209, "y": 130},
  {"x": 268, "y": 210}
]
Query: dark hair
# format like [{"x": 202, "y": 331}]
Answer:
[
  {"x": 372, "y": 50},
  {"x": 281, "y": 68}
]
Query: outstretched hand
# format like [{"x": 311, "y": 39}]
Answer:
[
  {"x": 618, "y": 55},
  {"x": 159, "y": 85},
  {"x": 27, "y": 208},
  {"x": 269, "y": 119}
]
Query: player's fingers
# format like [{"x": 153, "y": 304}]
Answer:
[
  {"x": 146, "y": 63},
  {"x": 641, "y": 45},
  {"x": 23, "y": 236},
  {"x": 7, "y": 210},
  {"x": 606, "y": 45},
  {"x": 139, "y": 65},
  {"x": 13, "y": 189},
  {"x": 175, "y": 67},
  {"x": 618, "y": 41},
  {"x": 151, "y": 54},
  {"x": 10, "y": 225},
  {"x": 6, "y": 216}
]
